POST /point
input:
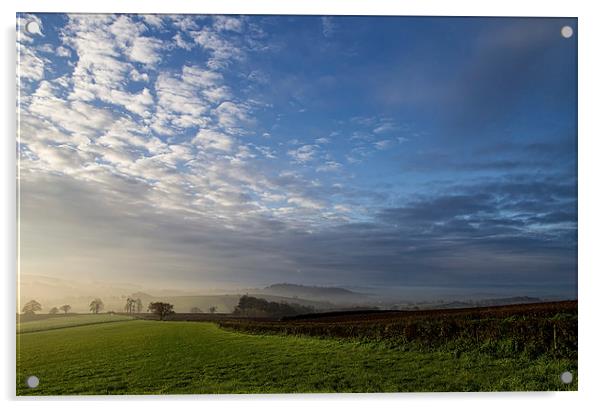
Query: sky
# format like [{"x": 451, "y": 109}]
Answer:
[{"x": 193, "y": 152}]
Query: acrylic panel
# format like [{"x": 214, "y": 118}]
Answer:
[{"x": 283, "y": 204}]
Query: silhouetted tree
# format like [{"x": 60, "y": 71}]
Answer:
[
  {"x": 212, "y": 309},
  {"x": 162, "y": 309},
  {"x": 53, "y": 311},
  {"x": 129, "y": 305},
  {"x": 65, "y": 308},
  {"x": 31, "y": 307},
  {"x": 195, "y": 310},
  {"x": 96, "y": 305},
  {"x": 138, "y": 305}
]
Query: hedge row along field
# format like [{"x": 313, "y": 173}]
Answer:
[{"x": 528, "y": 329}]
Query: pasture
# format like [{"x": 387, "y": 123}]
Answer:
[
  {"x": 154, "y": 357},
  {"x": 48, "y": 322}
]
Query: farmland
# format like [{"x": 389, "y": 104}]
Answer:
[
  {"x": 255, "y": 356},
  {"x": 48, "y": 322},
  {"x": 529, "y": 329}
]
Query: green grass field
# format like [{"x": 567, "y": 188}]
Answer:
[
  {"x": 152, "y": 357},
  {"x": 58, "y": 322}
]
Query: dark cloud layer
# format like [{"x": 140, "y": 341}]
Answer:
[{"x": 509, "y": 232}]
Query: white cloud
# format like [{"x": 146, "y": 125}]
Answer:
[
  {"x": 210, "y": 139},
  {"x": 303, "y": 154},
  {"x": 30, "y": 65},
  {"x": 266, "y": 151},
  {"x": 226, "y": 23},
  {"x": 216, "y": 95},
  {"x": 135, "y": 75},
  {"x": 181, "y": 43},
  {"x": 125, "y": 30},
  {"x": 329, "y": 166},
  {"x": 177, "y": 143},
  {"x": 185, "y": 23},
  {"x": 358, "y": 154},
  {"x": 179, "y": 103},
  {"x": 153, "y": 20},
  {"x": 65, "y": 158},
  {"x": 146, "y": 50},
  {"x": 200, "y": 77},
  {"x": 46, "y": 48},
  {"x": 63, "y": 52},
  {"x": 341, "y": 208},
  {"x": 305, "y": 202},
  {"x": 100, "y": 73},
  {"x": 137, "y": 103},
  {"x": 101, "y": 42},
  {"x": 385, "y": 127},
  {"x": 383, "y": 144},
  {"x": 223, "y": 52},
  {"x": 73, "y": 116},
  {"x": 184, "y": 99},
  {"x": 98, "y": 70},
  {"x": 230, "y": 115},
  {"x": 124, "y": 132}
]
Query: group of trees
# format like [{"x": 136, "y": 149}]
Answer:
[
  {"x": 253, "y": 306},
  {"x": 32, "y": 306},
  {"x": 65, "y": 308},
  {"x": 133, "y": 305},
  {"x": 197, "y": 310}
]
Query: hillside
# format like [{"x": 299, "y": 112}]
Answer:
[{"x": 332, "y": 295}]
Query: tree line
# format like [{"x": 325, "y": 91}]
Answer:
[
  {"x": 252, "y": 306},
  {"x": 133, "y": 305},
  {"x": 32, "y": 306},
  {"x": 247, "y": 306}
]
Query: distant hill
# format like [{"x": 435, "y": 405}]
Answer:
[
  {"x": 141, "y": 295},
  {"x": 335, "y": 295},
  {"x": 304, "y": 289}
]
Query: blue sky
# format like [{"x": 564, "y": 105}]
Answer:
[{"x": 231, "y": 151}]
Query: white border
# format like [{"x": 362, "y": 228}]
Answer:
[{"x": 590, "y": 266}]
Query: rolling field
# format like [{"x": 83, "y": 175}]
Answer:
[
  {"x": 49, "y": 322},
  {"x": 152, "y": 357}
]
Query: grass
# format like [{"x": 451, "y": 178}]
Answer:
[
  {"x": 503, "y": 331},
  {"x": 49, "y": 322},
  {"x": 151, "y": 357}
]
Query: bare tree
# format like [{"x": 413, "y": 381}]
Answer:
[
  {"x": 138, "y": 305},
  {"x": 53, "y": 311},
  {"x": 212, "y": 309},
  {"x": 195, "y": 310},
  {"x": 96, "y": 305},
  {"x": 31, "y": 307},
  {"x": 65, "y": 308}
]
